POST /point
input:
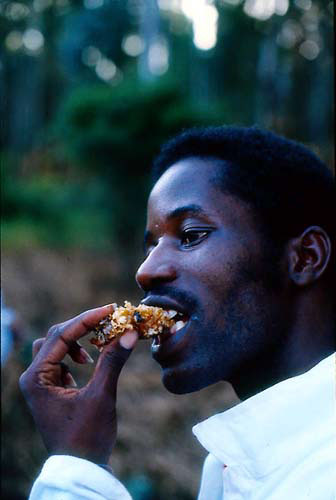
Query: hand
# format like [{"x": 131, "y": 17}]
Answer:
[{"x": 76, "y": 421}]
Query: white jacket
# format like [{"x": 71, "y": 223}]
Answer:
[{"x": 277, "y": 445}]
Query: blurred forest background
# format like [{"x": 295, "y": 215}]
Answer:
[{"x": 89, "y": 89}]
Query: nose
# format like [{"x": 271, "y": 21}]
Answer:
[{"x": 157, "y": 269}]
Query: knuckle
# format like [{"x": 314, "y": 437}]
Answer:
[
  {"x": 24, "y": 382},
  {"x": 55, "y": 330},
  {"x": 37, "y": 343}
]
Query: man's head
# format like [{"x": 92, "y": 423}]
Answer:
[{"x": 234, "y": 218}]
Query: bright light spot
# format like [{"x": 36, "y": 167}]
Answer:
[
  {"x": 93, "y": 4},
  {"x": 189, "y": 8},
  {"x": 260, "y": 9},
  {"x": 231, "y": 2},
  {"x": 290, "y": 34},
  {"x": 16, "y": 11},
  {"x": 204, "y": 18},
  {"x": 106, "y": 69},
  {"x": 13, "y": 40},
  {"x": 310, "y": 25},
  {"x": 264, "y": 9},
  {"x": 33, "y": 39},
  {"x": 133, "y": 45},
  {"x": 281, "y": 7},
  {"x": 173, "y": 5},
  {"x": 164, "y": 4},
  {"x": 91, "y": 55},
  {"x": 204, "y": 37},
  {"x": 310, "y": 19},
  {"x": 309, "y": 49},
  {"x": 303, "y": 4},
  {"x": 158, "y": 57},
  {"x": 40, "y": 5}
]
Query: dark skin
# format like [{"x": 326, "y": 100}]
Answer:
[{"x": 206, "y": 254}]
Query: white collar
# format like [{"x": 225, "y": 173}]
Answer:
[{"x": 259, "y": 433}]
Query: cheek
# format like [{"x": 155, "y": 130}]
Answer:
[{"x": 214, "y": 269}]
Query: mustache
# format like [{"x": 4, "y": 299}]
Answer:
[{"x": 183, "y": 297}]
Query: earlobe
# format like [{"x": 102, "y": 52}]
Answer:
[{"x": 309, "y": 255}]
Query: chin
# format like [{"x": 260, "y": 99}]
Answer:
[{"x": 178, "y": 381}]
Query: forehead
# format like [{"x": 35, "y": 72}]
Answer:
[
  {"x": 186, "y": 182},
  {"x": 192, "y": 182}
]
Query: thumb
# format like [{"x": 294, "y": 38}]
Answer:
[{"x": 111, "y": 362}]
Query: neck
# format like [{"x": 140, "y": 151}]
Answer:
[{"x": 308, "y": 338}]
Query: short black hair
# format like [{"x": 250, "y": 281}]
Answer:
[{"x": 286, "y": 184}]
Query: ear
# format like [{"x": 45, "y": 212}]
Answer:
[{"x": 309, "y": 255}]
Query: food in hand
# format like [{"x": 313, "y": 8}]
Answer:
[{"x": 148, "y": 321}]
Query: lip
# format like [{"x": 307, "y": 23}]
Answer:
[
  {"x": 172, "y": 344},
  {"x": 165, "y": 303}
]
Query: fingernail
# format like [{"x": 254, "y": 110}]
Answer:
[
  {"x": 70, "y": 380},
  {"x": 112, "y": 306},
  {"x": 85, "y": 356},
  {"x": 128, "y": 340}
]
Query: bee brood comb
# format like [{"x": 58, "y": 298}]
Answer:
[{"x": 148, "y": 321}]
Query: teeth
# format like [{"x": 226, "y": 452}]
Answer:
[
  {"x": 156, "y": 343},
  {"x": 178, "y": 325},
  {"x": 171, "y": 313},
  {"x": 155, "y": 347},
  {"x": 173, "y": 329}
]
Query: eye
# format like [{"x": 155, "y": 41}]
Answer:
[{"x": 192, "y": 237}]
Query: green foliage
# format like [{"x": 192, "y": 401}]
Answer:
[
  {"x": 114, "y": 133},
  {"x": 80, "y": 173},
  {"x": 107, "y": 138},
  {"x": 107, "y": 129},
  {"x": 44, "y": 209}
]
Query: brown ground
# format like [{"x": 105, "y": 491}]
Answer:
[{"x": 155, "y": 438}]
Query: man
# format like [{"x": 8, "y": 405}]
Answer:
[{"x": 240, "y": 239}]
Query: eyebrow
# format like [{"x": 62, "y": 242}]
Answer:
[
  {"x": 184, "y": 210},
  {"x": 174, "y": 214}
]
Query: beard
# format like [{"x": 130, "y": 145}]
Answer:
[{"x": 236, "y": 338}]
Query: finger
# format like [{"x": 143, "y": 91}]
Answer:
[
  {"x": 79, "y": 354},
  {"x": 55, "y": 375},
  {"x": 61, "y": 338},
  {"x": 37, "y": 344},
  {"x": 111, "y": 362},
  {"x": 76, "y": 351},
  {"x": 67, "y": 379}
]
